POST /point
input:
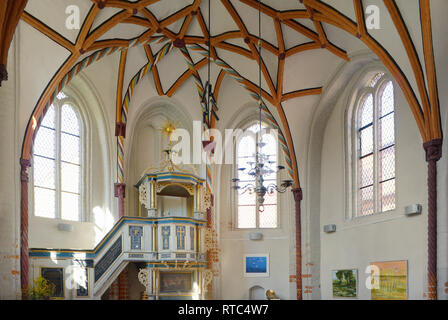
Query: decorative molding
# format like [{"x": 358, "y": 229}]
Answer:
[{"x": 433, "y": 150}]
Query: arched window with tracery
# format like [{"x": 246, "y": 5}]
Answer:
[
  {"x": 249, "y": 213},
  {"x": 375, "y": 147},
  {"x": 57, "y": 163}
]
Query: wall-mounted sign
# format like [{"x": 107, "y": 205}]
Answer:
[{"x": 256, "y": 265}]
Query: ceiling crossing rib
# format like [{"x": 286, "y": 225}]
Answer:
[{"x": 316, "y": 11}]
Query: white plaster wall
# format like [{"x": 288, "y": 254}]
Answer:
[{"x": 381, "y": 237}]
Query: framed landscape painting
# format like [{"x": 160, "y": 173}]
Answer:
[
  {"x": 393, "y": 280},
  {"x": 345, "y": 283}
]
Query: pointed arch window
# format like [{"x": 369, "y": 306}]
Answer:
[
  {"x": 248, "y": 213},
  {"x": 375, "y": 155},
  {"x": 57, "y": 164}
]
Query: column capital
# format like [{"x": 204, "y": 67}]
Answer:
[
  {"x": 24, "y": 165},
  {"x": 120, "y": 129},
  {"x": 3, "y": 73},
  {"x": 298, "y": 194},
  {"x": 120, "y": 190},
  {"x": 433, "y": 149}
]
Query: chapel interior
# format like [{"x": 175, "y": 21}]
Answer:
[{"x": 223, "y": 149}]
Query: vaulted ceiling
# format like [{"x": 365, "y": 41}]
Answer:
[{"x": 302, "y": 42}]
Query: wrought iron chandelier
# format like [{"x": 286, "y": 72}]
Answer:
[{"x": 263, "y": 166}]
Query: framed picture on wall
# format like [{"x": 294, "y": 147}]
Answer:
[
  {"x": 392, "y": 278},
  {"x": 256, "y": 265},
  {"x": 344, "y": 283},
  {"x": 176, "y": 281},
  {"x": 56, "y": 277}
]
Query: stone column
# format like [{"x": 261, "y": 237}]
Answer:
[
  {"x": 433, "y": 150},
  {"x": 298, "y": 196},
  {"x": 24, "y": 255},
  {"x": 120, "y": 193}
]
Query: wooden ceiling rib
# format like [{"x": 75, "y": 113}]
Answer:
[
  {"x": 50, "y": 33},
  {"x": 357, "y": 4},
  {"x": 121, "y": 70},
  {"x": 412, "y": 55},
  {"x": 331, "y": 16},
  {"x": 155, "y": 70},
  {"x": 425, "y": 17},
  {"x": 318, "y": 11}
]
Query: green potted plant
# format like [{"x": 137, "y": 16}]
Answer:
[{"x": 42, "y": 289}]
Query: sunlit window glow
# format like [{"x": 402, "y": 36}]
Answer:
[
  {"x": 248, "y": 214},
  {"x": 376, "y": 149},
  {"x": 57, "y": 167}
]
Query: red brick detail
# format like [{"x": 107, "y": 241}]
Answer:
[
  {"x": 120, "y": 193},
  {"x": 298, "y": 196},
  {"x": 24, "y": 254},
  {"x": 123, "y": 285},
  {"x": 120, "y": 129},
  {"x": 114, "y": 290},
  {"x": 433, "y": 150}
]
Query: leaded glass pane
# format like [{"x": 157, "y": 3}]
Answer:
[
  {"x": 53, "y": 181},
  {"x": 246, "y": 147},
  {"x": 387, "y": 163},
  {"x": 49, "y": 119},
  {"x": 366, "y": 203},
  {"x": 246, "y": 198},
  {"x": 366, "y": 114},
  {"x": 366, "y": 171},
  {"x": 44, "y": 202},
  {"x": 246, "y": 163},
  {"x": 366, "y": 141},
  {"x": 376, "y": 163},
  {"x": 246, "y": 217},
  {"x": 44, "y": 171},
  {"x": 70, "y": 148},
  {"x": 268, "y": 218},
  {"x": 270, "y": 147},
  {"x": 387, "y": 192},
  {"x": 387, "y": 99},
  {"x": 270, "y": 198},
  {"x": 387, "y": 131},
  {"x": 45, "y": 143},
  {"x": 70, "y": 177},
  {"x": 69, "y": 206},
  {"x": 69, "y": 120}
]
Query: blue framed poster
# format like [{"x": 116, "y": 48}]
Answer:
[{"x": 256, "y": 265}]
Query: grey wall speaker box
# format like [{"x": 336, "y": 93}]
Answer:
[
  {"x": 329, "y": 228},
  {"x": 255, "y": 236},
  {"x": 413, "y": 209},
  {"x": 65, "y": 227}
]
